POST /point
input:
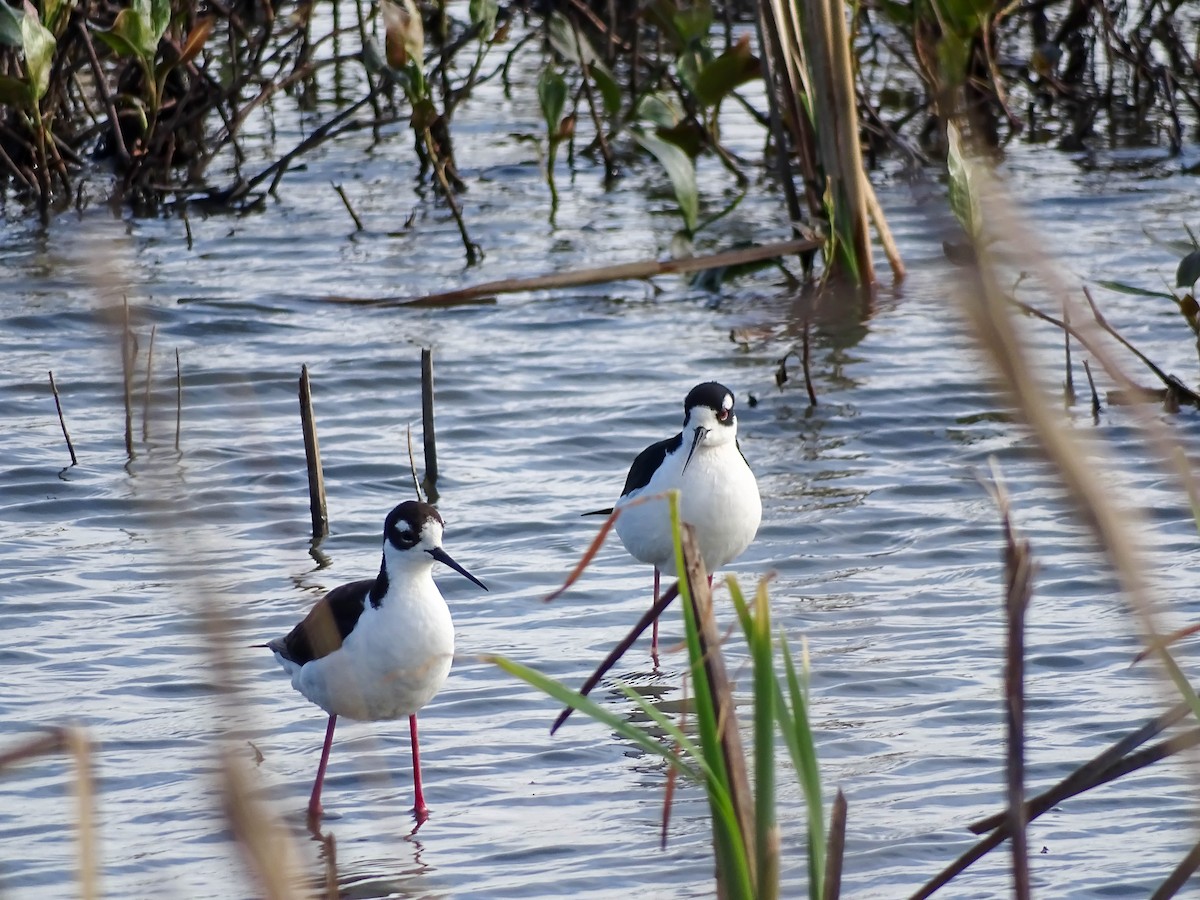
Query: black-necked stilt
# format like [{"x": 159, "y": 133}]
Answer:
[
  {"x": 718, "y": 494},
  {"x": 379, "y": 648}
]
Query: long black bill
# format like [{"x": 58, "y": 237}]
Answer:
[
  {"x": 701, "y": 431},
  {"x": 443, "y": 557}
]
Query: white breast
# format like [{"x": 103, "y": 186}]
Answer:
[
  {"x": 393, "y": 662},
  {"x": 718, "y": 497}
]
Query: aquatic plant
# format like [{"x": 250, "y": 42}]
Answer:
[{"x": 746, "y": 838}]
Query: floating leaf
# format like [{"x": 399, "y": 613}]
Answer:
[
  {"x": 39, "y": 53},
  {"x": 552, "y": 94},
  {"x": 10, "y": 25},
  {"x": 1122, "y": 288},
  {"x": 733, "y": 68},
  {"x": 1188, "y": 272},
  {"x": 680, "y": 170}
]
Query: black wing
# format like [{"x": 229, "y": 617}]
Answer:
[
  {"x": 326, "y": 625},
  {"x": 648, "y": 461}
]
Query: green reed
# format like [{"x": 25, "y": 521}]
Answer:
[{"x": 746, "y": 837}]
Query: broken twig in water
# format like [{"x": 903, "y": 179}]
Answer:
[
  {"x": 62, "y": 421},
  {"x": 312, "y": 455},
  {"x": 358, "y": 225},
  {"x": 622, "y": 272}
]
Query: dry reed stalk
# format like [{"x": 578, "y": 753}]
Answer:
[
  {"x": 312, "y": 456},
  {"x": 1116, "y": 530},
  {"x": 74, "y": 742},
  {"x": 1018, "y": 568},
  {"x": 621, "y": 272},
  {"x": 721, "y": 689}
]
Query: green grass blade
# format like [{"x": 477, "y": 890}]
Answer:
[
  {"x": 766, "y": 837},
  {"x": 804, "y": 757},
  {"x": 588, "y": 707}
]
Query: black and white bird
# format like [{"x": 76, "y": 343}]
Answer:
[
  {"x": 718, "y": 493},
  {"x": 379, "y": 648}
]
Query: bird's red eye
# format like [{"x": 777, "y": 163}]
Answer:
[{"x": 723, "y": 415}]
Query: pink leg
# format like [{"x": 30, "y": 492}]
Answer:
[
  {"x": 654, "y": 632},
  {"x": 314, "y": 803},
  {"x": 420, "y": 809}
]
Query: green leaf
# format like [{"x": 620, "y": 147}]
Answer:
[
  {"x": 117, "y": 43},
  {"x": 14, "y": 92},
  {"x": 1188, "y": 272},
  {"x": 552, "y": 94},
  {"x": 680, "y": 170},
  {"x": 10, "y": 25},
  {"x": 963, "y": 201},
  {"x": 1122, "y": 288},
  {"x": 733, "y": 68},
  {"x": 55, "y": 14},
  {"x": 568, "y": 43},
  {"x": 483, "y": 13},
  {"x": 610, "y": 91},
  {"x": 128, "y": 36},
  {"x": 659, "y": 109},
  {"x": 159, "y": 18},
  {"x": 39, "y": 53}
]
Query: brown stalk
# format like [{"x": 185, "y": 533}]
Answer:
[
  {"x": 721, "y": 688},
  {"x": 618, "y": 651},
  {"x": 835, "y": 850},
  {"x": 1018, "y": 568},
  {"x": 128, "y": 351}
]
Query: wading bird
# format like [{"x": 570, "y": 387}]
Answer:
[{"x": 379, "y": 648}]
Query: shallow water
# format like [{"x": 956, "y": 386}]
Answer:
[{"x": 886, "y": 548}]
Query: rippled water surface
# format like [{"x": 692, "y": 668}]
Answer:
[{"x": 886, "y": 548}]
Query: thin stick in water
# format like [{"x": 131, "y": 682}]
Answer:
[
  {"x": 178, "y": 398},
  {"x": 312, "y": 455},
  {"x": 128, "y": 350},
  {"x": 1069, "y": 384},
  {"x": 804, "y": 361},
  {"x": 146, "y": 393},
  {"x": 358, "y": 225},
  {"x": 1018, "y": 567},
  {"x": 1087, "y": 369},
  {"x": 431, "y": 466},
  {"x": 63, "y": 422}
]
